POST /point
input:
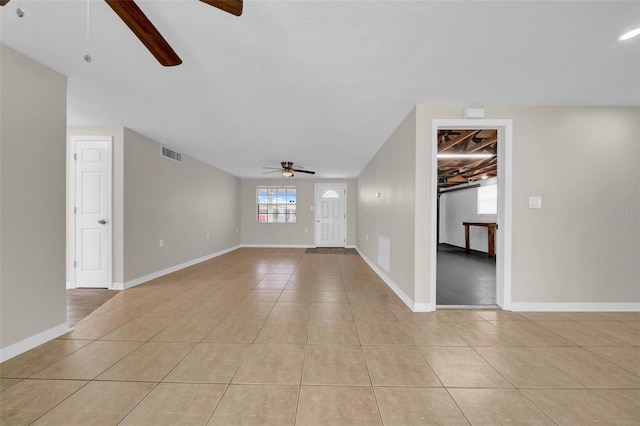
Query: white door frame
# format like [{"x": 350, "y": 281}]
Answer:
[
  {"x": 71, "y": 190},
  {"x": 315, "y": 211},
  {"x": 505, "y": 169}
]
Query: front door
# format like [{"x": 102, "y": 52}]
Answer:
[
  {"x": 92, "y": 207},
  {"x": 331, "y": 215}
]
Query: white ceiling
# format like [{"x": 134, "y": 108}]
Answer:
[{"x": 324, "y": 83}]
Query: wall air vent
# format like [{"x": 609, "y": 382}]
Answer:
[{"x": 171, "y": 154}]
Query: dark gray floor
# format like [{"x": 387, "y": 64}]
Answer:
[{"x": 465, "y": 279}]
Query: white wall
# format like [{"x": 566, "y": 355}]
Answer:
[
  {"x": 291, "y": 234},
  {"x": 177, "y": 202},
  {"x": 391, "y": 172},
  {"x": 583, "y": 161},
  {"x": 574, "y": 253},
  {"x": 461, "y": 206},
  {"x": 32, "y": 203}
]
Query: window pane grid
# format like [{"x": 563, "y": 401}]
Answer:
[{"x": 276, "y": 204}]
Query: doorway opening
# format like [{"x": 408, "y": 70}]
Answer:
[{"x": 472, "y": 214}]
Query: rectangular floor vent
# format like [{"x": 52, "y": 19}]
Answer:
[
  {"x": 384, "y": 253},
  {"x": 171, "y": 154}
]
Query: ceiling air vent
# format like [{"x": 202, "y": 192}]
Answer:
[{"x": 173, "y": 155}]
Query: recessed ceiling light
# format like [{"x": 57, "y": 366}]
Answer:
[
  {"x": 464, "y": 156},
  {"x": 630, "y": 34}
]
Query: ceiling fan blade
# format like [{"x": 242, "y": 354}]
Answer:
[
  {"x": 273, "y": 171},
  {"x": 233, "y": 7},
  {"x": 275, "y": 168},
  {"x": 303, "y": 171},
  {"x": 146, "y": 32},
  {"x": 3, "y": 2}
]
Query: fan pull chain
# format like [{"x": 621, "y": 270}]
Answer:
[{"x": 87, "y": 56}]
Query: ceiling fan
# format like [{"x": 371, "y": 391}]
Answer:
[
  {"x": 148, "y": 34},
  {"x": 287, "y": 169}
]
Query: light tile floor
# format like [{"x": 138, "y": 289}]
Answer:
[{"x": 276, "y": 336}]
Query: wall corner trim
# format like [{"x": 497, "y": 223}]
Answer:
[
  {"x": 143, "y": 279},
  {"x": 575, "y": 307},
  {"x": 33, "y": 341},
  {"x": 415, "y": 307}
]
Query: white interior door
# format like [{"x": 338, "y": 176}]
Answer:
[
  {"x": 331, "y": 215},
  {"x": 92, "y": 207}
]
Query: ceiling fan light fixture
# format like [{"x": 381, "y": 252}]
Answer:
[
  {"x": 287, "y": 173},
  {"x": 630, "y": 34}
]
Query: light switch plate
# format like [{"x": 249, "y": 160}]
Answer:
[{"x": 535, "y": 202}]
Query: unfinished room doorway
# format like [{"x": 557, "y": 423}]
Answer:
[
  {"x": 467, "y": 217},
  {"x": 331, "y": 215},
  {"x": 90, "y": 196},
  {"x": 472, "y": 213}
]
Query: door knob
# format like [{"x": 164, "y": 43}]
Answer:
[{"x": 102, "y": 221}]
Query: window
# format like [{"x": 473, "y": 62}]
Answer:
[
  {"x": 488, "y": 199},
  {"x": 276, "y": 204},
  {"x": 330, "y": 194}
]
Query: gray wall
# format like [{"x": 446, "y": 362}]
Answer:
[
  {"x": 281, "y": 234},
  {"x": 32, "y": 202},
  {"x": 391, "y": 172},
  {"x": 177, "y": 202},
  {"x": 583, "y": 161}
]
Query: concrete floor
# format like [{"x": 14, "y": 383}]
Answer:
[{"x": 465, "y": 279}]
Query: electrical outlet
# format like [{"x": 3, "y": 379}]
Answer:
[
  {"x": 161, "y": 243},
  {"x": 237, "y": 230},
  {"x": 306, "y": 231},
  {"x": 366, "y": 237},
  {"x": 207, "y": 235}
]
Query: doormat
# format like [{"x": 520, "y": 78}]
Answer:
[{"x": 331, "y": 250}]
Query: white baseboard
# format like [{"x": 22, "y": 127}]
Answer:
[
  {"x": 158, "y": 274},
  {"x": 423, "y": 307},
  {"x": 276, "y": 246},
  {"x": 415, "y": 307},
  {"x": 33, "y": 341},
  {"x": 114, "y": 286},
  {"x": 575, "y": 307}
]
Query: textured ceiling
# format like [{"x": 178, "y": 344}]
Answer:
[{"x": 324, "y": 83}]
